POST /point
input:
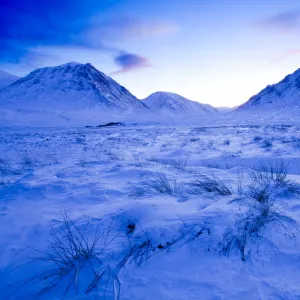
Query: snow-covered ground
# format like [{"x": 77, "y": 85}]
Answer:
[{"x": 177, "y": 212}]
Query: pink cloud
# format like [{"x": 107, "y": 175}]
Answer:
[{"x": 283, "y": 22}]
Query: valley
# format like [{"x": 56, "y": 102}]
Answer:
[{"x": 166, "y": 183}]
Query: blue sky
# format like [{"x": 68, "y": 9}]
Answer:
[{"x": 219, "y": 52}]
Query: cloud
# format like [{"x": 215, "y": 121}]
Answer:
[
  {"x": 285, "y": 22},
  {"x": 124, "y": 27},
  {"x": 292, "y": 52},
  {"x": 287, "y": 54},
  {"x": 129, "y": 62},
  {"x": 31, "y": 23},
  {"x": 28, "y": 26}
]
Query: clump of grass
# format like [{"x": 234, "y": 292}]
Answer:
[
  {"x": 259, "y": 192},
  {"x": 87, "y": 263},
  {"x": 267, "y": 173},
  {"x": 210, "y": 184},
  {"x": 266, "y": 144},
  {"x": 257, "y": 138},
  {"x": 251, "y": 228},
  {"x": 273, "y": 178},
  {"x": 296, "y": 142},
  {"x": 5, "y": 170},
  {"x": 82, "y": 162},
  {"x": 29, "y": 163},
  {"x": 143, "y": 246},
  {"x": 158, "y": 183},
  {"x": 263, "y": 210},
  {"x": 179, "y": 164},
  {"x": 194, "y": 140},
  {"x": 70, "y": 255}
]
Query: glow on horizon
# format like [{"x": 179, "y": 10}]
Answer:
[{"x": 219, "y": 52}]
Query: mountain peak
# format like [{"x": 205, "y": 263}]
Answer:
[
  {"x": 71, "y": 86},
  {"x": 71, "y": 64},
  {"x": 176, "y": 104}
]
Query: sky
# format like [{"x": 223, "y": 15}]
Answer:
[{"x": 219, "y": 52}]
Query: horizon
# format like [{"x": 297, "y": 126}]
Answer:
[{"x": 215, "y": 52}]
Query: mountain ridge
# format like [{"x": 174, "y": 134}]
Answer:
[
  {"x": 285, "y": 93},
  {"x": 71, "y": 86},
  {"x": 176, "y": 104},
  {"x": 7, "y": 79}
]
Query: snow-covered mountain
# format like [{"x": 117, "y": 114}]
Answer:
[
  {"x": 285, "y": 94},
  {"x": 225, "y": 109},
  {"x": 276, "y": 104},
  {"x": 178, "y": 105},
  {"x": 6, "y": 79},
  {"x": 69, "y": 87}
]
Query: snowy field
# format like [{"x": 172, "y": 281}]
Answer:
[{"x": 150, "y": 212}]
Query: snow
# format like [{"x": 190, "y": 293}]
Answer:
[
  {"x": 69, "y": 87},
  {"x": 176, "y": 104},
  {"x": 96, "y": 172},
  {"x": 225, "y": 109},
  {"x": 6, "y": 79},
  {"x": 285, "y": 94},
  {"x": 76, "y": 94},
  {"x": 137, "y": 191}
]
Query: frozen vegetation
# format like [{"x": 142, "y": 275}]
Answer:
[
  {"x": 105, "y": 196},
  {"x": 150, "y": 212}
]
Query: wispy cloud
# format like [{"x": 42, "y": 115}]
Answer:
[
  {"x": 288, "y": 54},
  {"x": 124, "y": 27},
  {"x": 292, "y": 52},
  {"x": 34, "y": 24},
  {"x": 129, "y": 62},
  {"x": 284, "y": 22}
]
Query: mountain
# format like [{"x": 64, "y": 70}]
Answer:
[
  {"x": 6, "y": 79},
  {"x": 69, "y": 87},
  {"x": 283, "y": 95},
  {"x": 178, "y": 105},
  {"x": 225, "y": 109}
]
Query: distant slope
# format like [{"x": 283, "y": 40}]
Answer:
[
  {"x": 285, "y": 94},
  {"x": 6, "y": 79},
  {"x": 69, "y": 87},
  {"x": 178, "y": 105},
  {"x": 225, "y": 109}
]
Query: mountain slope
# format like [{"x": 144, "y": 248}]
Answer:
[
  {"x": 225, "y": 109},
  {"x": 6, "y": 79},
  {"x": 69, "y": 87},
  {"x": 285, "y": 94},
  {"x": 178, "y": 105}
]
